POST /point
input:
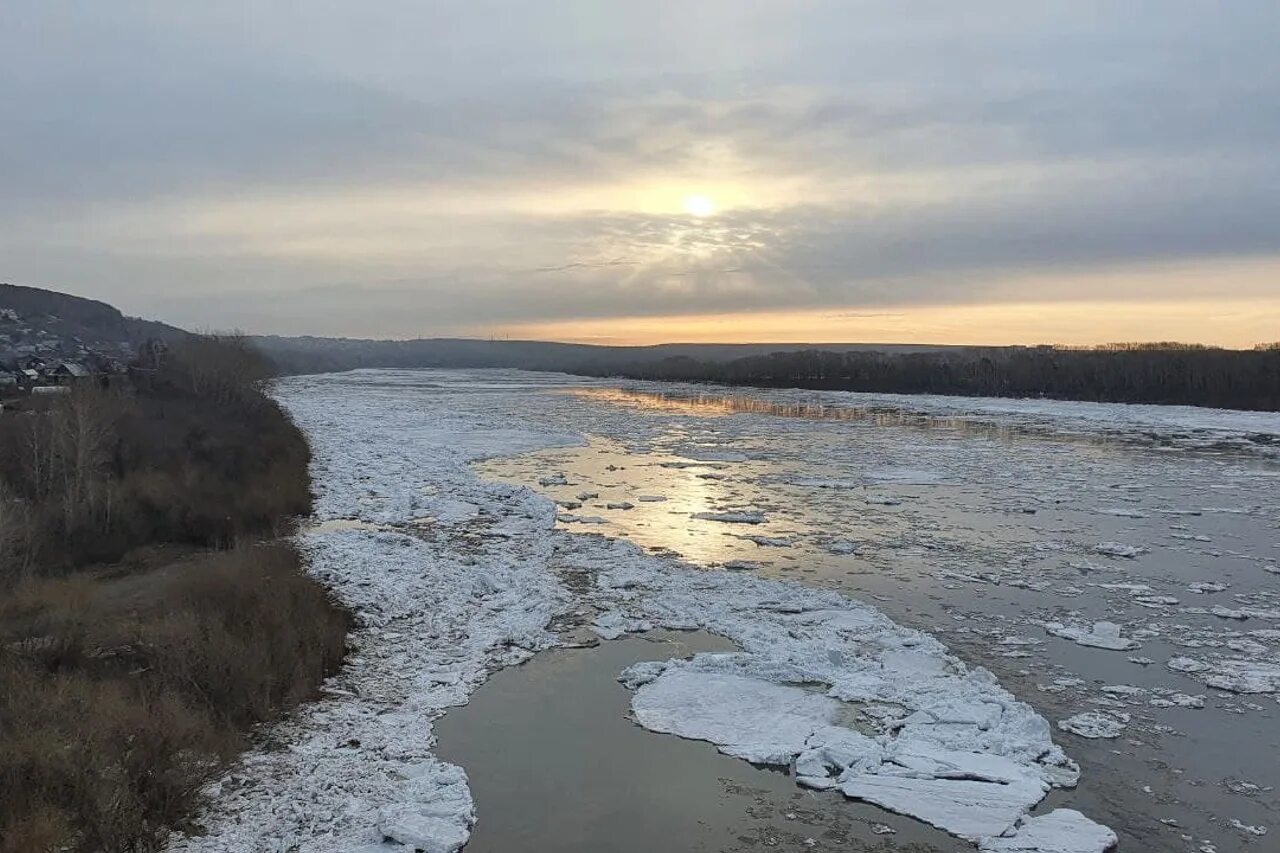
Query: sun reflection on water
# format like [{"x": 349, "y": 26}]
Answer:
[{"x": 720, "y": 404}]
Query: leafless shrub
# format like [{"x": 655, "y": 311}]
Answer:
[{"x": 120, "y": 699}]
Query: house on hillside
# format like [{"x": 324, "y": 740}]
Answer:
[{"x": 68, "y": 373}]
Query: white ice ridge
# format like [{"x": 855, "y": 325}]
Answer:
[
  {"x": 854, "y": 701},
  {"x": 850, "y": 700}
]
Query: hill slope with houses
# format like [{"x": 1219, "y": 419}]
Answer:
[{"x": 52, "y": 339}]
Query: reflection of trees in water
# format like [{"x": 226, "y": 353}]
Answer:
[{"x": 704, "y": 404}]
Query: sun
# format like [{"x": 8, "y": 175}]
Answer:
[{"x": 699, "y": 206}]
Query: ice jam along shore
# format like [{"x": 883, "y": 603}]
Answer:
[{"x": 452, "y": 578}]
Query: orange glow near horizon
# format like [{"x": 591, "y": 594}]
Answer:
[
  {"x": 1232, "y": 303},
  {"x": 1236, "y": 324}
]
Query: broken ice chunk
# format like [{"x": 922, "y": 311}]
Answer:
[
  {"x": 1245, "y": 676},
  {"x": 745, "y": 517},
  {"x": 767, "y": 541},
  {"x": 1059, "y": 831},
  {"x": 1101, "y": 635},
  {"x": 438, "y": 818},
  {"x": 566, "y": 518},
  {"x": 1094, "y": 724},
  {"x": 424, "y": 834},
  {"x": 1178, "y": 700},
  {"x": 1248, "y": 829},
  {"x": 1120, "y": 512},
  {"x": 834, "y": 750},
  {"x": 1119, "y": 549},
  {"x": 970, "y": 809},
  {"x": 1185, "y": 664},
  {"x": 747, "y": 718},
  {"x": 611, "y": 625}
]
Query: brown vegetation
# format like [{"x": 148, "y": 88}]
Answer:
[
  {"x": 190, "y": 451},
  {"x": 125, "y": 687},
  {"x": 120, "y": 698}
]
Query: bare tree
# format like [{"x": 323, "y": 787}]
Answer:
[
  {"x": 84, "y": 435},
  {"x": 16, "y": 551}
]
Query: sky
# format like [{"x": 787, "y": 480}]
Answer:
[{"x": 995, "y": 171}]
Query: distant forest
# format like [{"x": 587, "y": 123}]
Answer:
[{"x": 1121, "y": 373}]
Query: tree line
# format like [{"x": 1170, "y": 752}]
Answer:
[
  {"x": 187, "y": 450},
  {"x": 1166, "y": 373}
]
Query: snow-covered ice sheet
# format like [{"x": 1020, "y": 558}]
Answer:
[
  {"x": 459, "y": 577},
  {"x": 855, "y": 702},
  {"x": 1060, "y": 831}
]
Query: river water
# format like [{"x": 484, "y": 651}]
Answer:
[
  {"x": 555, "y": 764},
  {"x": 981, "y": 530}
]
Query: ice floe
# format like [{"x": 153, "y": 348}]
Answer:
[
  {"x": 731, "y": 517},
  {"x": 1248, "y": 829},
  {"x": 1119, "y": 549},
  {"x": 766, "y": 541},
  {"x": 1101, "y": 635},
  {"x": 1060, "y": 831},
  {"x": 1234, "y": 676},
  {"x": 1120, "y": 512},
  {"x": 1094, "y": 724},
  {"x": 1177, "y": 700}
]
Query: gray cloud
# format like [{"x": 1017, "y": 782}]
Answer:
[{"x": 949, "y": 151}]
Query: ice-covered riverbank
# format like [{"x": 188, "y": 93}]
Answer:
[{"x": 452, "y": 577}]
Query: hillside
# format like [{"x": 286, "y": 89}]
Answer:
[
  {"x": 49, "y": 325},
  {"x": 293, "y": 355}
]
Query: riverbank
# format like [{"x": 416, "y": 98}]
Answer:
[{"x": 150, "y": 616}]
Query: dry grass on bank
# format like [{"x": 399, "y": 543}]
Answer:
[{"x": 121, "y": 696}]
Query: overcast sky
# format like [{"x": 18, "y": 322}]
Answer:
[{"x": 635, "y": 171}]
